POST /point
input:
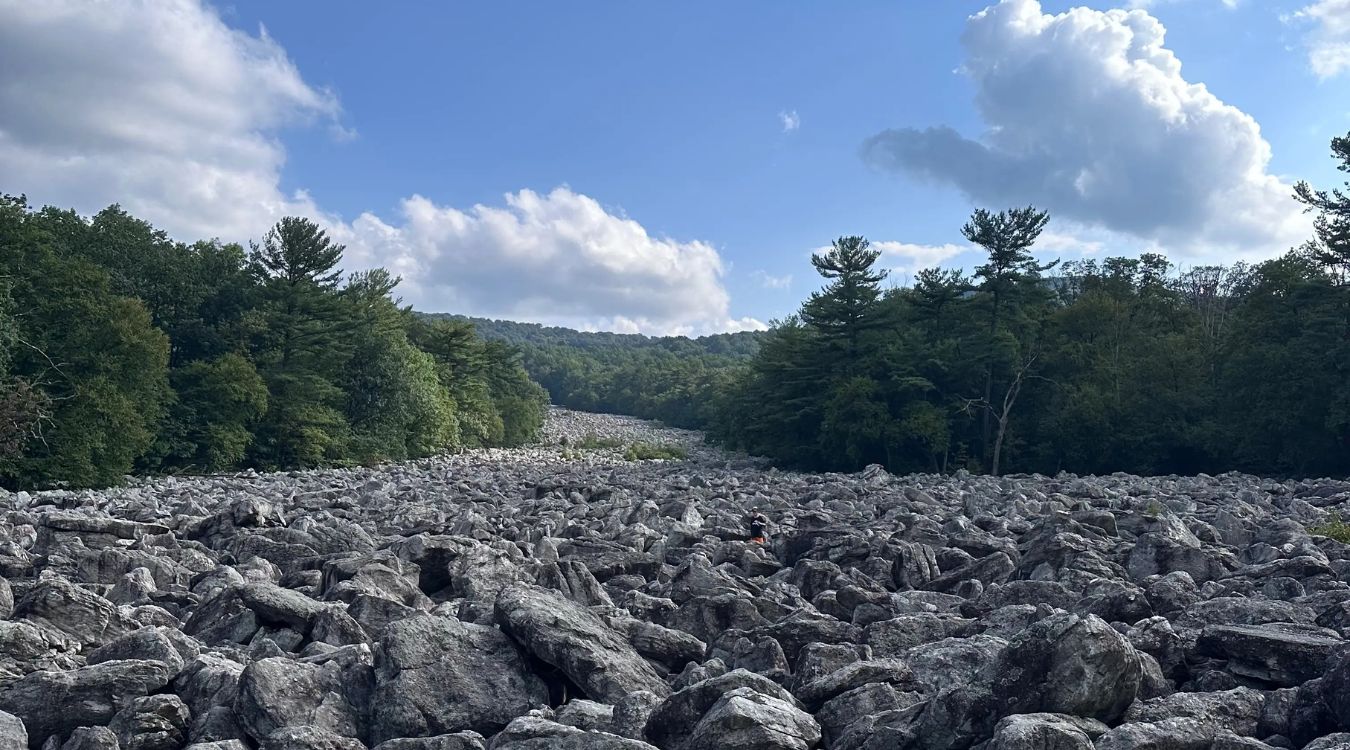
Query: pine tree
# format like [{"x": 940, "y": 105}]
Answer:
[
  {"x": 845, "y": 308},
  {"x": 302, "y": 347},
  {"x": 1007, "y": 236}
]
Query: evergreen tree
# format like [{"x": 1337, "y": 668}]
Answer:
[
  {"x": 302, "y": 346},
  {"x": 844, "y": 309},
  {"x": 1007, "y": 237}
]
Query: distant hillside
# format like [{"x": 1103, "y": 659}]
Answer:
[
  {"x": 741, "y": 345},
  {"x": 670, "y": 378}
]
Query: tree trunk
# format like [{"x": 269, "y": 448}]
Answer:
[{"x": 998, "y": 443}]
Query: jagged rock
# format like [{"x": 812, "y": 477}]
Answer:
[
  {"x": 584, "y": 714},
  {"x": 62, "y": 606},
  {"x": 154, "y": 722},
  {"x": 672, "y": 721},
  {"x": 457, "y": 741},
  {"x": 1269, "y": 654},
  {"x": 436, "y": 675},
  {"x": 55, "y": 703},
  {"x": 272, "y": 604},
  {"x": 281, "y": 692},
  {"x": 1045, "y": 731},
  {"x": 309, "y": 738},
  {"x": 746, "y": 719},
  {"x": 849, "y": 708},
  {"x": 562, "y": 633},
  {"x": 13, "y": 735},
  {"x": 208, "y": 685},
  {"x": 857, "y": 674},
  {"x": 1068, "y": 664},
  {"x": 88, "y": 738},
  {"x": 147, "y": 644},
  {"x": 531, "y": 733}
]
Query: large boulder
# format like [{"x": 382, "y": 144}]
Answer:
[
  {"x": 1045, "y": 732},
  {"x": 670, "y": 724},
  {"x": 1068, "y": 664},
  {"x": 77, "y": 612},
  {"x": 55, "y": 703},
  {"x": 565, "y": 635},
  {"x": 282, "y": 692},
  {"x": 13, "y": 735},
  {"x": 437, "y": 675},
  {"x": 1271, "y": 654},
  {"x": 152, "y": 722},
  {"x": 533, "y": 733},
  {"x": 744, "y": 719}
]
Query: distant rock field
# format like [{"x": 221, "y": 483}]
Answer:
[{"x": 561, "y": 596}]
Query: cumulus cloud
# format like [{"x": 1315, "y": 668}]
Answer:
[
  {"x": 1329, "y": 40},
  {"x": 1089, "y": 115},
  {"x": 156, "y": 105},
  {"x": 905, "y": 257},
  {"x": 1229, "y": 4},
  {"x": 769, "y": 281},
  {"x": 1068, "y": 243},
  {"x": 557, "y": 258},
  {"x": 162, "y": 107},
  {"x": 789, "y": 120}
]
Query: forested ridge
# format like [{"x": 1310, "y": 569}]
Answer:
[
  {"x": 671, "y": 378},
  {"x": 123, "y": 350},
  {"x": 1089, "y": 366}
]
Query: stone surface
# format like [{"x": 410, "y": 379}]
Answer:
[
  {"x": 436, "y": 675},
  {"x": 554, "y": 596}
]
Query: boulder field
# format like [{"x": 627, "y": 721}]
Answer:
[{"x": 562, "y": 597}]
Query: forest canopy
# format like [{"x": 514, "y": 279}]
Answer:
[
  {"x": 123, "y": 350},
  {"x": 1088, "y": 366}
]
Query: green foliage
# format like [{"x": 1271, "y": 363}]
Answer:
[
  {"x": 93, "y": 356},
  {"x": 593, "y": 442},
  {"x": 1118, "y": 364},
  {"x": 121, "y": 349},
  {"x": 218, "y": 403},
  {"x": 642, "y": 451},
  {"x": 1332, "y": 528},
  {"x": 303, "y": 348}
]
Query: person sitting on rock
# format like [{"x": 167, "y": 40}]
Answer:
[{"x": 758, "y": 523}]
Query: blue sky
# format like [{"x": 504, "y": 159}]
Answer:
[{"x": 738, "y": 136}]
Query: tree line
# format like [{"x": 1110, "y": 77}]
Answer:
[
  {"x": 124, "y": 351},
  {"x": 1090, "y": 366}
]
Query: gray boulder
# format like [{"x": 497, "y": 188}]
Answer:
[
  {"x": 55, "y": 703},
  {"x": 436, "y": 675},
  {"x": 564, "y": 634}
]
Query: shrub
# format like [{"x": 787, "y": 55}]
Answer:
[
  {"x": 595, "y": 442},
  {"x": 647, "y": 451},
  {"x": 1332, "y": 528}
]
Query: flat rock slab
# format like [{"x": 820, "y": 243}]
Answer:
[{"x": 1279, "y": 657}]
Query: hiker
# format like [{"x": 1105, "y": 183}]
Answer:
[{"x": 758, "y": 523}]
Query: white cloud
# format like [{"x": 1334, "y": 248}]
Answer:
[
  {"x": 790, "y": 121},
  {"x": 1329, "y": 41},
  {"x": 1229, "y": 4},
  {"x": 769, "y": 281},
  {"x": 558, "y": 258},
  {"x": 156, "y": 105},
  {"x": 1089, "y": 116},
  {"x": 160, "y": 106},
  {"x": 905, "y": 257},
  {"x": 1068, "y": 242}
]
